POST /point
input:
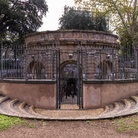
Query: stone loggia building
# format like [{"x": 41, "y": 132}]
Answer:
[{"x": 75, "y": 67}]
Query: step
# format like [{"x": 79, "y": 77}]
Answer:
[
  {"x": 24, "y": 111},
  {"x": 33, "y": 112},
  {"x": 11, "y": 105},
  {"x": 69, "y": 106},
  {"x": 14, "y": 107},
  {"x": 124, "y": 110},
  {"x": 120, "y": 108},
  {"x": 115, "y": 109},
  {"x": 135, "y": 109},
  {"x": 112, "y": 113},
  {"x": 135, "y": 98},
  {"x": 4, "y": 107},
  {"x": 3, "y": 98},
  {"x": 106, "y": 110}
]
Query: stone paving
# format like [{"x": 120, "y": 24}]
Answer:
[{"x": 13, "y": 107}]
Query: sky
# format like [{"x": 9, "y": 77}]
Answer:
[{"x": 55, "y": 11}]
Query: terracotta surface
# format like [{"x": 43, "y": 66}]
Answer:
[
  {"x": 44, "y": 95},
  {"x": 79, "y": 35},
  {"x": 91, "y": 96},
  {"x": 39, "y": 95},
  {"x": 99, "y": 95}
]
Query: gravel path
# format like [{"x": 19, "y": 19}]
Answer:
[{"x": 66, "y": 129}]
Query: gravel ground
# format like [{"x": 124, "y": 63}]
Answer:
[{"x": 66, "y": 129}]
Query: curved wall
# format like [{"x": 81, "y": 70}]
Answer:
[
  {"x": 36, "y": 93},
  {"x": 43, "y": 95},
  {"x": 72, "y": 35},
  {"x": 97, "y": 95}
]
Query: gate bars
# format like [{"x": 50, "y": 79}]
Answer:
[
  {"x": 79, "y": 79},
  {"x": 11, "y": 62},
  {"x": 39, "y": 62},
  {"x": 28, "y": 63},
  {"x": 107, "y": 64}
]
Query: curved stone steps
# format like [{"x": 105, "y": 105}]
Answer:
[
  {"x": 24, "y": 111},
  {"x": 108, "y": 111},
  {"x": 118, "y": 107},
  {"x": 5, "y": 107},
  {"x": 17, "y": 106},
  {"x": 132, "y": 106},
  {"x": 8, "y": 108},
  {"x": 2, "y": 100},
  {"x": 122, "y": 110},
  {"x": 131, "y": 109},
  {"x": 14, "y": 107},
  {"x": 11, "y": 106},
  {"x": 32, "y": 111},
  {"x": 127, "y": 107},
  {"x": 135, "y": 98},
  {"x": 135, "y": 109},
  {"x": 29, "y": 109},
  {"x": 115, "y": 110}
]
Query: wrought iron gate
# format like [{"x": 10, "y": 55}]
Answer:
[
  {"x": 69, "y": 85},
  {"x": 58, "y": 79},
  {"x": 79, "y": 79}
]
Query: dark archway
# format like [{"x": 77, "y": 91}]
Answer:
[
  {"x": 68, "y": 82},
  {"x": 105, "y": 70},
  {"x": 36, "y": 70}
]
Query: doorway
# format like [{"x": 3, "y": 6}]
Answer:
[
  {"x": 69, "y": 82},
  {"x": 68, "y": 85}
]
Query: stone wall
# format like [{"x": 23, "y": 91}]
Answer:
[
  {"x": 38, "y": 94},
  {"x": 68, "y": 42},
  {"x": 79, "y": 35},
  {"x": 43, "y": 95},
  {"x": 97, "y": 95}
]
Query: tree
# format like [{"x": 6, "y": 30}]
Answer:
[
  {"x": 20, "y": 17},
  {"x": 82, "y": 20},
  {"x": 123, "y": 15}
]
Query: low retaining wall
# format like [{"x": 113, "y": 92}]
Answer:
[
  {"x": 40, "y": 94},
  {"x": 99, "y": 94},
  {"x": 43, "y": 94}
]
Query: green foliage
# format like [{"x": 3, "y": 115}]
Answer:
[
  {"x": 82, "y": 20},
  {"x": 44, "y": 123},
  {"x": 7, "y": 122},
  {"x": 123, "y": 125},
  {"x": 100, "y": 23},
  {"x": 123, "y": 15},
  {"x": 18, "y": 18},
  {"x": 126, "y": 47},
  {"x": 31, "y": 125}
]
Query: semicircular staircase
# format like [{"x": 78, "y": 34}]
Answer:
[{"x": 14, "y": 107}]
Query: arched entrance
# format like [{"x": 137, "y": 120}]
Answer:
[
  {"x": 105, "y": 69},
  {"x": 36, "y": 70},
  {"x": 69, "y": 91}
]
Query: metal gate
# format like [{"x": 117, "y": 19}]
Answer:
[
  {"x": 69, "y": 80},
  {"x": 79, "y": 79},
  {"x": 58, "y": 79}
]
